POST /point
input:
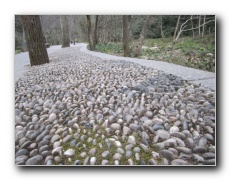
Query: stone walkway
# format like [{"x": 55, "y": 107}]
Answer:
[
  {"x": 80, "y": 109},
  {"x": 205, "y": 78}
]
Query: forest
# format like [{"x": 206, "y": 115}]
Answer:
[{"x": 188, "y": 40}]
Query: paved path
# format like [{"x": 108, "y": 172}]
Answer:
[{"x": 207, "y": 79}]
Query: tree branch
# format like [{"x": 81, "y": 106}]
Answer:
[{"x": 198, "y": 26}]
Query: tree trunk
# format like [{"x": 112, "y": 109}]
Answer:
[
  {"x": 35, "y": 40},
  {"x": 199, "y": 23},
  {"x": 125, "y": 36},
  {"x": 203, "y": 27},
  {"x": 161, "y": 26},
  {"x": 95, "y": 33},
  {"x": 175, "y": 32},
  {"x": 141, "y": 38},
  {"x": 90, "y": 38},
  {"x": 133, "y": 19},
  {"x": 24, "y": 45},
  {"x": 192, "y": 28},
  {"x": 65, "y": 32}
]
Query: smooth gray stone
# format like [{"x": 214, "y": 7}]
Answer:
[
  {"x": 69, "y": 152},
  {"x": 184, "y": 150},
  {"x": 117, "y": 156},
  {"x": 199, "y": 149},
  {"x": 152, "y": 162},
  {"x": 56, "y": 137},
  {"x": 157, "y": 127},
  {"x": 167, "y": 154},
  {"x": 36, "y": 160},
  {"x": 26, "y": 144},
  {"x": 21, "y": 152},
  {"x": 210, "y": 162},
  {"x": 86, "y": 160},
  {"x": 105, "y": 154},
  {"x": 92, "y": 151},
  {"x": 42, "y": 143},
  {"x": 128, "y": 153},
  {"x": 189, "y": 143},
  {"x": 21, "y": 158},
  {"x": 44, "y": 148},
  {"x": 163, "y": 134},
  {"x": 179, "y": 162}
]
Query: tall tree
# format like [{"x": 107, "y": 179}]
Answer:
[
  {"x": 90, "y": 37},
  {"x": 35, "y": 40},
  {"x": 141, "y": 38},
  {"x": 65, "y": 32},
  {"x": 125, "y": 36},
  {"x": 95, "y": 32}
]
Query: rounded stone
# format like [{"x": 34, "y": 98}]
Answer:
[
  {"x": 52, "y": 117},
  {"x": 21, "y": 152},
  {"x": 92, "y": 151},
  {"x": 117, "y": 156},
  {"x": 132, "y": 140},
  {"x": 93, "y": 160},
  {"x": 56, "y": 137},
  {"x": 83, "y": 154},
  {"x": 126, "y": 130},
  {"x": 128, "y": 153},
  {"x": 152, "y": 162},
  {"x": 36, "y": 160},
  {"x": 21, "y": 158},
  {"x": 149, "y": 114},
  {"x": 69, "y": 152},
  {"x": 173, "y": 129},
  {"x": 179, "y": 162},
  {"x": 105, "y": 154},
  {"x": 136, "y": 149},
  {"x": 199, "y": 149},
  {"x": 163, "y": 134},
  {"x": 115, "y": 126},
  {"x": 104, "y": 162},
  {"x": 66, "y": 139},
  {"x": 117, "y": 144},
  {"x": 167, "y": 154}
]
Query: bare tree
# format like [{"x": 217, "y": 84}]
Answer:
[
  {"x": 35, "y": 40},
  {"x": 141, "y": 38},
  {"x": 126, "y": 36},
  {"x": 176, "y": 29},
  {"x": 203, "y": 26},
  {"x": 183, "y": 25},
  {"x": 65, "y": 32},
  {"x": 192, "y": 27},
  {"x": 199, "y": 23}
]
